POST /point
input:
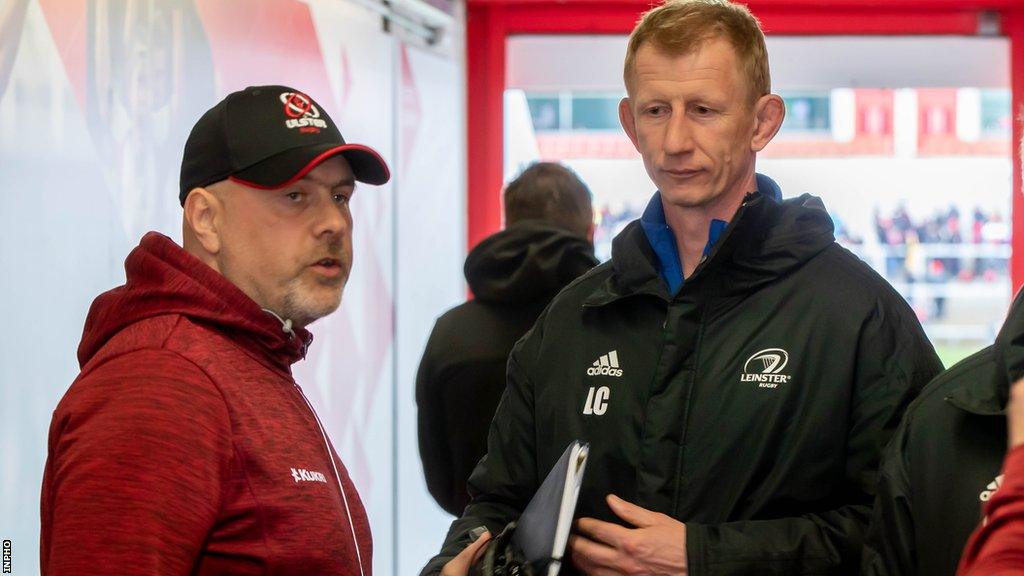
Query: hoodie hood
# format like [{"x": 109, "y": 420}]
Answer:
[
  {"x": 770, "y": 238},
  {"x": 527, "y": 261},
  {"x": 162, "y": 278}
]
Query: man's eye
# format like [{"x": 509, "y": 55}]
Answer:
[
  {"x": 702, "y": 110},
  {"x": 656, "y": 110},
  {"x": 341, "y": 198},
  {"x": 294, "y": 196}
]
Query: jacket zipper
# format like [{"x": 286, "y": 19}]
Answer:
[
  {"x": 700, "y": 340},
  {"x": 337, "y": 477},
  {"x": 721, "y": 242}
]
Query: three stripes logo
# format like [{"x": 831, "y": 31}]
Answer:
[
  {"x": 989, "y": 492},
  {"x": 764, "y": 367},
  {"x": 606, "y": 365},
  {"x": 597, "y": 397},
  {"x": 991, "y": 489}
]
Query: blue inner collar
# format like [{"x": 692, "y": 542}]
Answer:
[{"x": 663, "y": 240}]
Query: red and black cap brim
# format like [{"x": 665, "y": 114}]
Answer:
[{"x": 290, "y": 166}]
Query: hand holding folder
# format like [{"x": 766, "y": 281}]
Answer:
[
  {"x": 543, "y": 530},
  {"x": 535, "y": 544}
]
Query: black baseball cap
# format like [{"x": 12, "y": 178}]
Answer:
[{"x": 269, "y": 137}]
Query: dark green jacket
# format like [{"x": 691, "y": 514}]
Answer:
[
  {"x": 939, "y": 470},
  {"x": 752, "y": 405},
  {"x": 944, "y": 461}
]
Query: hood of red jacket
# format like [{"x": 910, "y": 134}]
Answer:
[{"x": 162, "y": 278}]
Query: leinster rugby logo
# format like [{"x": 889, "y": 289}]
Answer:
[
  {"x": 301, "y": 112},
  {"x": 764, "y": 367}
]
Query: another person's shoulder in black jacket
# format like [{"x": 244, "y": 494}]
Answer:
[{"x": 941, "y": 466}]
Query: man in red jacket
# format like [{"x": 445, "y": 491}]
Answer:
[{"x": 185, "y": 446}]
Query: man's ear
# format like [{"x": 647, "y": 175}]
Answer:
[
  {"x": 203, "y": 216},
  {"x": 628, "y": 121},
  {"x": 769, "y": 112}
]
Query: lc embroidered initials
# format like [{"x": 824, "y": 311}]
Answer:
[{"x": 597, "y": 401}]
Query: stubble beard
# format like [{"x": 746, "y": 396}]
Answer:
[{"x": 304, "y": 305}]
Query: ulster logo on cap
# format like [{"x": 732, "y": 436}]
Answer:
[{"x": 301, "y": 112}]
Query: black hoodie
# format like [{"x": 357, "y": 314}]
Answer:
[
  {"x": 513, "y": 275},
  {"x": 752, "y": 404}
]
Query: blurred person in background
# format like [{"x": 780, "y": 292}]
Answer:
[
  {"x": 12, "y": 14},
  {"x": 148, "y": 74},
  {"x": 514, "y": 274}
]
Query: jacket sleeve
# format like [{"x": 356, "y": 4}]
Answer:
[
  {"x": 139, "y": 451},
  {"x": 506, "y": 478},
  {"x": 435, "y": 451},
  {"x": 997, "y": 547},
  {"x": 894, "y": 360},
  {"x": 890, "y": 549}
]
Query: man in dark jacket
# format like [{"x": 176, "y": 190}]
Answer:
[
  {"x": 944, "y": 462},
  {"x": 513, "y": 275},
  {"x": 761, "y": 366}
]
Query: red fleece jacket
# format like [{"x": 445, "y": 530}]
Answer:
[
  {"x": 997, "y": 547},
  {"x": 185, "y": 446}
]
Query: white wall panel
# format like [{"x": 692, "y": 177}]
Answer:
[{"x": 431, "y": 248}]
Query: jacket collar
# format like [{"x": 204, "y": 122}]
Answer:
[
  {"x": 989, "y": 398},
  {"x": 983, "y": 398},
  {"x": 765, "y": 240},
  {"x": 635, "y": 265},
  {"x": 634, "y": 270},
  {"x": 663, "y": 242}
]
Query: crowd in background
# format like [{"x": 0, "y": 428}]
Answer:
[
  {"x": 911, "y": 254},
  {"x": 945, "y": 226}
]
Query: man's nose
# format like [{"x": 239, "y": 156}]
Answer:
[
  {"x": 332, "y": 217},
  {"x": 678, "y": 134}
]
